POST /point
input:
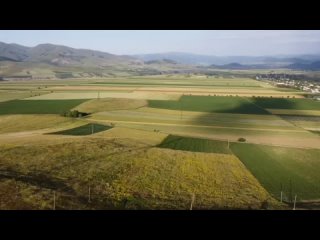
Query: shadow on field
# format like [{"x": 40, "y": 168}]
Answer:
[
  {"x": 37, "y": 179},
  {"x": 276, "y": 103}
]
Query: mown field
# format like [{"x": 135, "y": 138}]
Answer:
[
  {"x": 109, "y": 104},
  {"x": 38, "y": 106},
  {"x": 292, "y": 170},
  {"x": 157, "y": 115},
  {"x": 67, "y": 95},
  {"x": 210, "y": 104},
  {"x": 299, "y": 138},
  {"x": 11, "y": 95},
  {"x": 30, "y": 122}
]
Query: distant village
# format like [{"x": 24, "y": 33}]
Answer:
[{"x": 288, "y": 81}]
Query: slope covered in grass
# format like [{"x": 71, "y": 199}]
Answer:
[{"x": 124, "y": 174}]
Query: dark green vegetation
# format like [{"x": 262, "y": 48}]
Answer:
[
  {"x": 63, "y": 75},
  {"x": 38, "y": 106},
  {"x": 87, "y": 129},
  {"x": 292, "y": 170},
  {"x": 74, "y": 114},
  {"x": 283, "y": 103},
  {"x": 210, "y": 104},
  {"x": 194, "y": 144},
  {"x": 316, "y": 132}
]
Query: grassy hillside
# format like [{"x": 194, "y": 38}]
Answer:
[
  {"x": 30, "y": 122},
  {"x": 123, "y": 174}
]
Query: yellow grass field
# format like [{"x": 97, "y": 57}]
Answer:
[
  {"x": 146, "y": 91},
  {"x": 105, "y": 94},
  {"x": 109, "y": 104},
  {"x": 29, "y": 122}
]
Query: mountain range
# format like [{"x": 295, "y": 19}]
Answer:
[
  {"x": 56, "y": 61},
  {"x": 207, "y": 60}
]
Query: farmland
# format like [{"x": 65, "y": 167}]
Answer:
[
  {"x": 194, "y": 144},
  {"x": 37, "y": 106},
  {"x": 291, "y": 170},
  {"x": 282, "y": 103},
  {"x": 210, "y": 104},
  {"x": 154, "y": 142}
]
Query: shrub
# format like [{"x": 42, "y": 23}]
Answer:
[
  {"x": 241, "y": 139},
  {"x": 73, "y": 114}
]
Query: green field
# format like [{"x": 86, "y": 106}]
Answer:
[
  {"x": 38, "y": 106},
  {"x": 194, "y": 144},
  {"x": 210, "y": 104},
  {"x": 284, "y": 103},
  {"x": 295, "y": 171},
  {"x": 84, "y": 130}
]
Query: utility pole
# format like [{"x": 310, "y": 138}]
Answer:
[
  {"x": 294, "y": 203},
  {"x": 281, "y": 197},
  {"x": 192, "y": 201},
  {"x": 92, "y": 128},
  {"x": 290, "y": 190},
  {"x": 54, "y": 200},
  {"x": 180, "y": 109},
  {"x": 89, "y": 200},
  {"x": 228, "y": 144}
]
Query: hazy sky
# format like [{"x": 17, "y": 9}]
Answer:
[{"x": 218, "y": 42}]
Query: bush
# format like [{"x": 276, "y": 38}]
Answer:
[
  {"x": 73, "y": 114},
  {"x": 241, "y": 139}
]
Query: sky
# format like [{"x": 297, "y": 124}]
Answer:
[{"x": 209, "y": 42}]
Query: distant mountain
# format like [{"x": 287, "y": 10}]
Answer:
[
  {"x": 237, "y": 66},
  {"x": 163, "y": 61},
  {"x": 13, "y": 52},
  {"x": 207, "y": 60},
  {"x": 62, "y": 55},
  {"x": 54, "y": 61},
  {"x": 305, "y": 66}
]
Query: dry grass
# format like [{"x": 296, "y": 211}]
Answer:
[
  {"x": 108, "y": 104},
  {"x": 124, "y": 174},
  {"x": 26, "y": 122}
]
